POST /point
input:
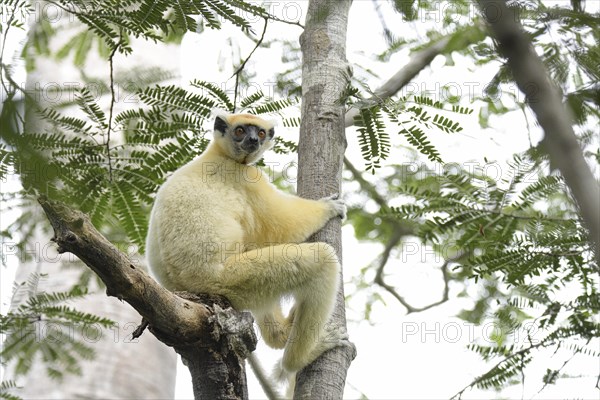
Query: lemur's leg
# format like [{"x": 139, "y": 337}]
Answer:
[{"x": 309, "y": 271}]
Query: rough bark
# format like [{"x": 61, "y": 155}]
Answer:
[
  {"x": 212, "y": 338},
  {"x": 545, "y": 100},
  {"x": 322, "y": 144}
]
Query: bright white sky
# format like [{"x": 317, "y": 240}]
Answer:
[{"x": 417, "y": 356}]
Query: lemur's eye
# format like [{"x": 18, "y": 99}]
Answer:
[
  {"x": 261, "y": 134},
  {"x": 239, "y": 131}
]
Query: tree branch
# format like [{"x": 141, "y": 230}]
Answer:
[
  {"x": 212, "y": 338},
  {"x": 365, "y": 185},
  {"x": 167, "y": 313},
  {"x": 393, "y": 242},
  {"x": 416, "y": 64},
  {"x": 399, "y": 231},
  {"x": 111, "y": 107},
  {"x": 545, "y": 100}
]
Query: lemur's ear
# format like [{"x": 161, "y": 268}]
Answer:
[
  {"x": 221, "y": 118},
  {"x": 270, "y": 125},
  {"x": 220, "y": 125}
]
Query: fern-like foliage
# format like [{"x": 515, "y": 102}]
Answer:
[
  {"x": 270, "y": 106},
  {"x": 283, "y": 146},
  {"x": 373, "y": 138},
  {"x": 5, "y": 390},
  {"x": 5, "y": 161},
  {"x": 410, "y": 114},
  {"x": 111, "y": 24},
  {"x": 113, "y": 180},
  {"x": 43, "y": 325},
  {"x": 538, "y": 253},
  {"x": 220, "y": 97}
]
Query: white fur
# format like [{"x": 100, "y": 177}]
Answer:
[{"x": 218, "y": 226}]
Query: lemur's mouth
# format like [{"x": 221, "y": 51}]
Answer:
[{"x": 250, "y": 148}]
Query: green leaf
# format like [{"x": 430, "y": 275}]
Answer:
[
  {"x": 216, "y": 93},
  {"x": 373, "y": 139}
]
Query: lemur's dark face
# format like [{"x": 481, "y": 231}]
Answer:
[
  {"x": 247, "y": 140},
  {"x": 249, "y": 137}
]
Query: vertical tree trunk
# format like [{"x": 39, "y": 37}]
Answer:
[
  {"x": 325, "y": 76},
  {"x": 217, "y": 371}
]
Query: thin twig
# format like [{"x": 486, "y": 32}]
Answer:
[
  {"x": 385, "y": 255},
  {"x": 111, "y": 108},
  {"x": 561, "y": 368},
  {"x": 410, "y": 308},
  {"x": 399, "y": 231},
  {"x": 295, "y": 23},
  {"x": 519, "y": 353},
  {"x": 140, "y": 329},
  {"x": 25, "y": 94},
  {"x": 241, "y": 67}
]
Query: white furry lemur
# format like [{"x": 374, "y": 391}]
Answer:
[{"x": 219, "y": 226}]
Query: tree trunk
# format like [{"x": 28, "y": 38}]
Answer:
[
  {"x": 215, "y": 376},
  {"x": 325, "y": 76}
]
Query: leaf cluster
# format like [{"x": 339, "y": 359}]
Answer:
[
  {"x": 5, "y": 390},
  {"x": 411, "y": 116},
  {"x": 112, "y": 24},
  {"x": 524, "y": 231},
  {"x": 42, "y": 325}
]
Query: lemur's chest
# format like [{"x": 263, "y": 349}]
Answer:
[{"x": 240, "y": 191}]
